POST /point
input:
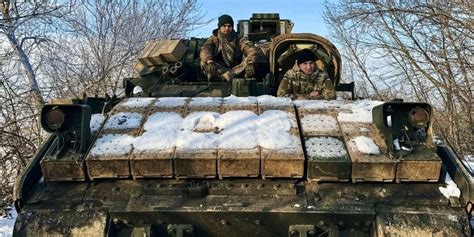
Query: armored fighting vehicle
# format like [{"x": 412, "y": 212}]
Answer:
[{"x": 179, "y": 155}]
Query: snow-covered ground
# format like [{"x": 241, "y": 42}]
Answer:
[
  {"x": 469, "y": 162},
  {"x": 6, "y": 223}
]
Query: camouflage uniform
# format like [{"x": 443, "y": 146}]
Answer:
[
  {"x": 296, "y": 83},
  {"x": 227, "y": 56}
]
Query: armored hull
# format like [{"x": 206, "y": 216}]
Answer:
[{"x": 181, "y": 156}]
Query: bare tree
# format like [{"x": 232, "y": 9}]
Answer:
[
  {"x": 24, "y": 26},
  {"x": 19, "y": 132},
  {"x": 51, "y": 49},
  {"x": 17, "y": 19},
  {"x": 104, "y": 38},
  {"x": 420, "y": 51}
]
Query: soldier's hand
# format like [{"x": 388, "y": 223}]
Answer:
[
  {"x": 314, "y": 94},
  {"x": 211, "y": 68},
  {"x": 250, "y": 59},
  {"x": 249, "y": 71}
]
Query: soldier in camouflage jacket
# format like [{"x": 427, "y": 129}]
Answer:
[
  {"x": 222, "y": 55},
  {"x": 305, "y": 81}
]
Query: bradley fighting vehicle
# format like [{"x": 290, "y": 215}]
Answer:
[{"x": 183, "y": 156}]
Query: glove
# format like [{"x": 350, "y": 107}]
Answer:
[{"x": 249, "y": 71}]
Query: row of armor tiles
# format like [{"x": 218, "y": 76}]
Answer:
[
  {"x": 265, "y": 136},
  {"x": 200, "y": 137},
  {"x": 342, "y": 143}
]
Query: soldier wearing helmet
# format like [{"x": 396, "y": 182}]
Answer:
[
  {"x": 225, "y": 55},
  {"x": 305, "y": 80}
]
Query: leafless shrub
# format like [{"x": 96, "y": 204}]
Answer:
[
  {"x": 415, "y": 50},
  {"x": 58, "y": 48}
]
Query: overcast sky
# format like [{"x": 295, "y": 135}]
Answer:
[{"x": 306, "y": 15}]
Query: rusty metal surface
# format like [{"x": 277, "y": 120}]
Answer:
[
  {"x": 80, "y": 220},
  {"x": 240, "y": 207},
  {"x": 420, "y": 221}
]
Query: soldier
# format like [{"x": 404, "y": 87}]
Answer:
[
  {"x": 305, "y": 81},
  {"x": 222, "y": 56}
]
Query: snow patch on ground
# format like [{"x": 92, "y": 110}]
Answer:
[
  {"x": 451, "y": 189},
  {"x": 365, "y": 145},
  {"x": 7, "y": 223}
]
